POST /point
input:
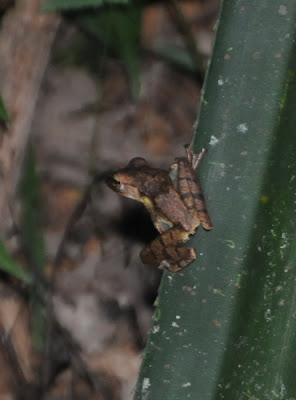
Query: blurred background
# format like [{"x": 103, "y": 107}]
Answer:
[{"x": 117, "y": 80}]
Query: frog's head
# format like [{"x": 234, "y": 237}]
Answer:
[
  {"x": 128, "y": 181},
  {"x": 139, "y": 181}
]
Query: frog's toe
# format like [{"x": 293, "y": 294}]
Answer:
[
  {"x": 185, "y": 257},
  {"x": 164, "y": 265}
]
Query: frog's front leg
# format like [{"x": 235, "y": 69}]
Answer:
[{"x": 166, "y": 252}]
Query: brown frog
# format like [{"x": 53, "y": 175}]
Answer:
[{"x": 175, "y": 202}]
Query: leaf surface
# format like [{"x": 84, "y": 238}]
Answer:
[{"x": 225, "y": 327}]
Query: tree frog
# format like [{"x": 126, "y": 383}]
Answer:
[{"x": 175, "y": 202}]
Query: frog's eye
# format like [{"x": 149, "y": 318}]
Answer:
[
  {"x": 137, "y": 162},
  {"x": 112, "y": 182}
]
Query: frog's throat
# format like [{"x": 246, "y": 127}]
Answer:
[
  {"x": 159, "y": 220},
  {"x": 148, "y": 203}
]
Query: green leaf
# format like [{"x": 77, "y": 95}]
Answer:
[
  {"x": 32, "y": 235},
  {"x": 119, "y": 29},
  {"x": 30, "y": 194},
  {"x": 7, "y": 265},
  {"x": 225, "y": 327},
  {"x": 3, "y": 113},
  {"x": 177, "y": 55},
  {"x": 116, "y": 32},
  {"x": 69, "y": 5}
]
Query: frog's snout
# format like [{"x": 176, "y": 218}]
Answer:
[{"x": 113, "y": 183}]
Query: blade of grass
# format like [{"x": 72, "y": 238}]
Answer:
[
  {"x": 119, "y": 29},
  {"x": 8, "y": 266},
  {"x": 176, "y": 55},
  {"x": 4, "y": 117},
  {"x": 69, "y": 5},
  {"x": 32, "y": 235}
]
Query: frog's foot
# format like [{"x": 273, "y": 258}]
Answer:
[
  {"x": 195, "y": 159},
  {"x": 172, "y": 258},
  {"x": 180, "y": 257}
]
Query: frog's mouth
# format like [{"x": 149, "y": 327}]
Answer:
[{"x": 113, "y": 183}]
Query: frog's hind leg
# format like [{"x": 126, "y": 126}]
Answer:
[
  {"x": 200, "y": 205},
  {"x": 173, "y": 258},
  {"x": 180, "y": 257},
  {"x": 166, "y": 252},
  {"x": 189, "y": 188}
]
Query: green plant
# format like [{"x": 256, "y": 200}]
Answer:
[
  {"x": 7, "y": 265},
  {"x": 4, "y": 117},
  {"x": 114, "y": 27},
  {"x": 224, "y": 328},
  {"x": 58, "y": 5}
]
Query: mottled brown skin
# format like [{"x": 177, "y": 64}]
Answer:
[{"x": 175, "y": 203}]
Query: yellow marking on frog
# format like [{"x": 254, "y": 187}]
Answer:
[{"x": 147, "y": 202}]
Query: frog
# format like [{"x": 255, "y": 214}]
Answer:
[{"x": 175, "y": 202}]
